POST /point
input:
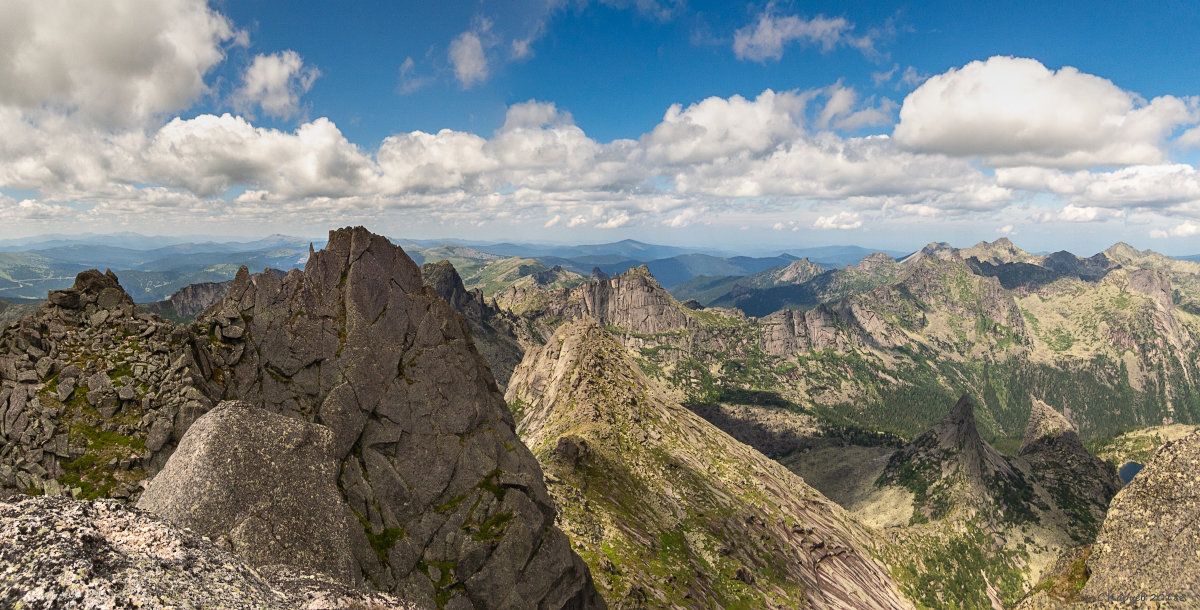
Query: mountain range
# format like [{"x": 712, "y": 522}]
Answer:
[{"x": 491, "y": 431}]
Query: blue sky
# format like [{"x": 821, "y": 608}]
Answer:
[{"x": 1060, "y": 125}]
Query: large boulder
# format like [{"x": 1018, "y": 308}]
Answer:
[
  {"x": 261, "y": 483},
  {"x": 58, "y": 553},
  {"x": 451, "y": 506}
]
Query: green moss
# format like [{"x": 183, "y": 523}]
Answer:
[
  {"x": 489, "y": 484},
  {"x": 447, "y": 584},
  {"x": 383, "y": 541},
  {"x": 451, "y": 504},
  {"x": 122, "y": 370},
  {"x": 492, "y": 528}
]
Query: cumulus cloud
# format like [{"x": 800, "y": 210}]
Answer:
[
  {"x": 719, "y": 127},
  {"x": 210, "y": 154},
  {"x": 275, "y": 83},
  {"x": 841, "y": 220},
  {"x": 109, "y": 62},
  {"x": 1014, "y": 111},
  {"x": 766, "y": 38}
]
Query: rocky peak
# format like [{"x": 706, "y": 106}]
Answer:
[
  {"x": 938, "y": 250},
  {"x": 957, "y": 429},
  {"x": 90, "y": 380},
  {"x": 1047, "y": 425},
  {"x": 452, "y": 506},
  {"x": 552, "y": 275},
  {"x": 491, "y": 331},
  {"x": 1080, "y": 484},
  {"x": 800, "y": 271},
  {"x": 1089, "y": 269},
  {"x": 443, "y": 278},
  {"x": 967, "y": 473},
  {"x": 1155, "y": 284},
  {"x": 1122, "y": 251},
  {"x": 998, "y": 252},
  {"x": 599, "y": 274},
  {"x": 93, "y": 291},
  {"x": 873, "y": 261}
]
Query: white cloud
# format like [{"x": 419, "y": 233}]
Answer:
[
  {"x": 109, "y": 62},
  {"x": 841, "y": 220},
  {"x": 275, "y": 83},
  {"x": 1080, "y": 213},
  {"x": 1139, "y": 186},
  {"x": 1185, "y": 229},
  {"x": 209, "y": 154},
  {"x": 842, "y": 109},
  {"x": 467, "y": 57},
  {"x": 1005, "y": 230},
  {"x": 1014, "y": 111},
  {"x": 719, "y": 127},
  {"x": 766, "y": 38},
  {"x": 420, "y": 161}
]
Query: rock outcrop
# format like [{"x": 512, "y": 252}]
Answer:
[
  {"x": 94, "y": 393},
  {"x": 195, "y": 298},
  {"x": 1148, "y": 548},
  {"x": 669, "y": 510},
  {"x": 58, "y": 553},
  {"x": 452, "y": 505},
  {"x": 262, "y": 484}
]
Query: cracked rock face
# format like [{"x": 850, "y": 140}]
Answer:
[
  {"x": 1149, "y": 543},
  {"x": 491, "y": 330},
  {"x": 58, "y": 553},
  {"x": 450, "y": 505},
  {"x": 263, "y": 484}
]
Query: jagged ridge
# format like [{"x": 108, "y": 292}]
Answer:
[{"x": 670, "y": 510}]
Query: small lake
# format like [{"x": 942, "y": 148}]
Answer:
[{"x": 1128, "y": 471}]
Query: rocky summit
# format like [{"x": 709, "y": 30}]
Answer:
[
  {"x": 62, "y": 554},
  {"x": 95, "y": 393},
  {"x": 668, "y": 510},
  {"x": 451, "y": 506}
]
